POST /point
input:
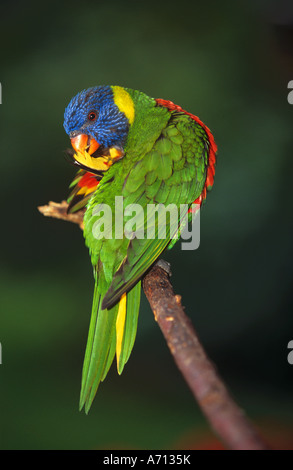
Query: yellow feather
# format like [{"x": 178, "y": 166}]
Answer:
[
  {"x": 82, "y": 191},
  {"x": 92, "y": 163},
  {"x": 120, "y": 323},
  {"x": 123, "y": 100}
]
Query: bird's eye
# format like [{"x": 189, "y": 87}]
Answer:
[{"x": 92, "y": 116}]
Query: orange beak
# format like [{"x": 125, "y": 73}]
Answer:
[{"x": 83, "y": 142}]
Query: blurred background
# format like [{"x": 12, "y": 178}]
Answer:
[{"x": 230, "y": 64}]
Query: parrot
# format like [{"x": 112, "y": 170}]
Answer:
[{"x": 147, "y": 151}]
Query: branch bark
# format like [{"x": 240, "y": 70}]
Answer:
[
  {"x": 226, "y": 418},
  {"x": 58, "y": 210}
]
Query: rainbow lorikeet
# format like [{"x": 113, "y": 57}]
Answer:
[{"x": 148, "y": 151}]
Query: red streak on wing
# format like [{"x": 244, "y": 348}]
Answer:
[
  {"x": 212, "y": 150},
  {"x": 88, "y": 180}
]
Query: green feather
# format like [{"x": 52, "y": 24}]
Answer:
[
  {"x": 133, "y": 304},
  {"x": 98, "y": 351}
]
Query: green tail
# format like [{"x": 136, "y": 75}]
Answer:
[{"x": 110, "y": 331}]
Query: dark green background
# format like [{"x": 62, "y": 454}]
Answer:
[{"x": 230, "y": 64}]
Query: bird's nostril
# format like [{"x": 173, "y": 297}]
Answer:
[{"x": 74, "y": 134}]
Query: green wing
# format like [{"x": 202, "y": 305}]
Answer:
[{"x": 172, "y": 172}]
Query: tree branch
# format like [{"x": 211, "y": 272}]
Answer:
[
  {"x": 59, "y": 211},
  {"x": 225, "y": 417}
]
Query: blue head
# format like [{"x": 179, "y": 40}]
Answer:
[{"x": 101, "y": 113}]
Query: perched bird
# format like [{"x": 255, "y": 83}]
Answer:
[{"x": 148, "y": 151}]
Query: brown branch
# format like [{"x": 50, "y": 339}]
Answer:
[
  {"x": 225, "y": 417},
  {"x": 59, "y": 211}
]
